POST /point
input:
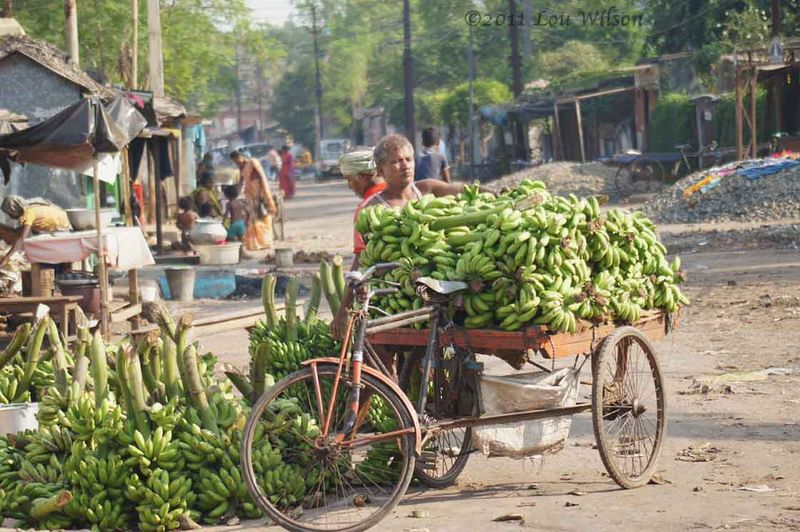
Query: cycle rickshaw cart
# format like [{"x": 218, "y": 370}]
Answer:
[{"x": 373, "y": 435}]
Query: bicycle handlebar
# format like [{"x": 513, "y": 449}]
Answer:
[{"x": 357, "y": 278}]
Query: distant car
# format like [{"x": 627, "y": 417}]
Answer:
[{"x": 330, "y": 151}]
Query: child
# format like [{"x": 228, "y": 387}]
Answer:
[
  {"x": 186, "y": 220},
  {"x": 236, "y": 215}
]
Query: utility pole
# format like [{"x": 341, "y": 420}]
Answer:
[
  {"x": 238, "y": 91},
  {"x": 154, "y": 44},
  {"x": 513, "y": 33},
  {"x": 776, "y": 83},
  {"x": 408, "y": 73},
  {"x": 135, "y": 44},
  {"x": 471, "y": 111},
  {"x": 318, "y": 88},
  {"x": 71, "y": 31},
  {"x": 6, "y": 8},
  {"x": 776, "y": 18}
]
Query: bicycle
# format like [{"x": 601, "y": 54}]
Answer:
[
  {"x": 366, "y": 431},
  {"x": 351, "y": 440},
  {"x": 645, "y": 173}
]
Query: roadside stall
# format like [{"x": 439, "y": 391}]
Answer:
[{"x": 87, "y": 137}]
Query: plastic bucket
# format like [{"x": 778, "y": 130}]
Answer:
[
  {"x": 181, "y": 283},
  {"x": 18, "y": 417},
  {"x": 284, "y": 257}
]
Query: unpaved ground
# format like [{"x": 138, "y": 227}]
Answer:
[{"x": 744, "y": 317}]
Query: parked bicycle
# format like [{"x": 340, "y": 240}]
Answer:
[{"x": 648, "y": 173}]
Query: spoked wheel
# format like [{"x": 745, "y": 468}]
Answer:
[
  {"x": 444, "y": 454},
  {"x": 641, "y": 176},
  {"x": 628, "y": 407},
  {"x": 305, "y": 478}
]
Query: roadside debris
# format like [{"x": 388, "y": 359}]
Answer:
[
  {"x": 703, "y": 453},
  {"x": 509, "y": 517}
]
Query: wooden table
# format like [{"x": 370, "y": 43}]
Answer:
[{"x": 60, "y": 307}]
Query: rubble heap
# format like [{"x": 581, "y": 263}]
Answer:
[{"x": 736, "y": 197}]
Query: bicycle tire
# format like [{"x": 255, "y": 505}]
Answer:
[
  {"x": 314, "y": 505},
  {"x": 445, "y": 469},
  {"x": 643, "y": 175}
]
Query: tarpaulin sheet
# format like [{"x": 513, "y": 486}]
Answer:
[{"x": 72, "y": 138}]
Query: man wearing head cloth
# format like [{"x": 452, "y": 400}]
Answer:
[{"x": 358, "y": 167}]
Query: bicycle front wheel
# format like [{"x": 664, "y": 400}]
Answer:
[
  {"x": 307, "y": 479},
  {"x": 641, "y": 176}
]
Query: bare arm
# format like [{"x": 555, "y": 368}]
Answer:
[{"x": 17, "y": 245}]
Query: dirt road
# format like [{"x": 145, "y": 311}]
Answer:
[{"x": 744, "y": 430}]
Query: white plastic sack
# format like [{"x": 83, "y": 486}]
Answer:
[{"x": 521, "y": 392}]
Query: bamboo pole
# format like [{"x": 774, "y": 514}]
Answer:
[
  {"x": 133, "y": 275},
  {"x": 739, "y": 124},
  {"x": 101, "y": 252},
  {"x": 580, "y": 129},
  {"x": 753, "y": 101}
]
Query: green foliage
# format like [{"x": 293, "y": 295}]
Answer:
[
  {"x": 671, "y": 123},
  {"x": 485, "y": 92},
  {"x": 574, "y": 57}
]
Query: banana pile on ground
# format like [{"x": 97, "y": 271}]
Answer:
[
  {"x": 529, "y": 257},
  {"x": 136, "y": 437}
]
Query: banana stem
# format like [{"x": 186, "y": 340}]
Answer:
[
  {"x": 241, "y": 383},
  {"x": 19, "y": 339},
  {"x": 313, "y": 302},
  {"x": 337, "y": 272},
  {"x": 59, "y": 358},
  {"x": 122, "y": 382},
  {"x": 99, "y": 367},
  {"x": 136, "y": 390},
  {"x": 195, "y": 392},
  {"x": 328, "y": 287},
  {"x": 34, "y": 354},
  {"x": 171, "y": 371},
  {"x": 259, "y": 376},
  {"x": 41, "y": 508},
  {"x": 291, "y": 309},
  {"x": 268, "y": 299},
  {"x": 79, "y": 375}
]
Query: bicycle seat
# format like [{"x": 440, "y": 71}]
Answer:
[
  {"x": 442, "y": 287},
  {"x": 683, "y": 146}
]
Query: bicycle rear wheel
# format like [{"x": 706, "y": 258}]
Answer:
[
  {"x": 444, "y": 454},
  {"x": 340, "y": 482},
  {"x": 643, "y": 175}
]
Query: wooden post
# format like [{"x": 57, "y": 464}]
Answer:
[
  {"x": 739, "y": 119},
  {"x": 71, "y": 31},
  {"x": 135, "y": 44},
  {"x": 753, "y": 100},
  {"x": 580, "y": 129},
  {"x": 151, "y": 183},
  {"x": 154, "y": 39},
  {"x": 101, "y": 253},
  {"x": 558, "y": 149},
  {"x": 133, "y": 275},
  {"x": 159, "y": 201}
]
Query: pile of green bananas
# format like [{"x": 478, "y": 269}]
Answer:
[
  {"x": 26, "y": 367},
  {"x": 528, "y": 257}
]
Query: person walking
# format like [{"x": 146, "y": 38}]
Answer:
[
  {"x": 286, "y": 178},
  {"x": 431, "y": 163},
  {"x": 260, "y": 204}
]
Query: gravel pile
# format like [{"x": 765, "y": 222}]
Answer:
[
  {"x": 776, "y": 236},
  {"x": 735, "y": 198},
  {"x": 563, "y": 178}
]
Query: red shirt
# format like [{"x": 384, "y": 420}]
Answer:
[{"x": 358, "y": 240}]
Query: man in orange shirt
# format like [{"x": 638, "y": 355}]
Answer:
[{"x": 358, "y": 167}]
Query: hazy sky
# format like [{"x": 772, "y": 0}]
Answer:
[{"x": 274, "y": 11}]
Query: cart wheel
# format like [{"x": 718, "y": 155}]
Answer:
[
  {"x": 628, "y": 407},
  {"x": 445, "y": 454},
  {"x": 641, "y": 176}
]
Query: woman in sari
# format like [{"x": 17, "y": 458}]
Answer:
[{"x": 260, "y": 205}]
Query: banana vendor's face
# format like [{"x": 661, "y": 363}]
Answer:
[{"x": 398, "y": 170}]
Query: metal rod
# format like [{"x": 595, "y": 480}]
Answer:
[
  {"x": 498, "y": 419},
  {"x": 427, "y": 363},
  {"x": 397, "y": 317},
  {"x": 376, "y": 360},
  {"x": 398, "y": 324}
]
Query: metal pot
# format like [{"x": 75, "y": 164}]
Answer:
[
  {"x": 84, "y": 219},
  {"x": 208, "y": 231}
]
